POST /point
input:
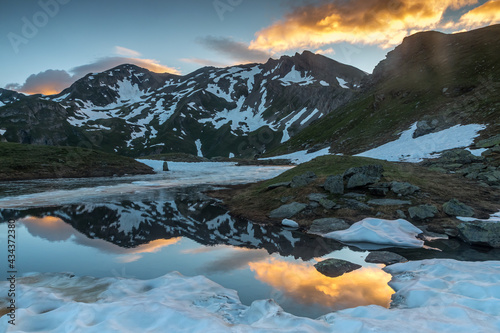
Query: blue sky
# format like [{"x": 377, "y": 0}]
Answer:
[{"x": 58, "y": 40}]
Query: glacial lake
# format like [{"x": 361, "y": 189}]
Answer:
[{"x": 144, "y": 227}]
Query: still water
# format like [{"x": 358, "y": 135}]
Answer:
[{"x": 146, "y": 226}]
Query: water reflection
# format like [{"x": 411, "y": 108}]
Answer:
[
  {"x": 304, "y": 284},
  {"x": 147, "y": 223}
]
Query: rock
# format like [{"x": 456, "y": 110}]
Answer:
[
  {"x": 372, "y": 170},
  {"x": 288, "y": 210},
  {"x": 289, "y": 223},
  {"x": 358, "y": 196},
  {"x": 361, "y": 176},
  {"x": 303, "y": 179},
  {"x": 490, "y": 142},
  {"x": 326, "y": 225},
  {"x": 422, "y": 212},
  {"x": 165, "y": 166},
  {"x": 356, "y": 205},
  {"x": 334, "y": 184},
  {"x": 401, "y": 214},
  {"x": 327, "y": 204},
  {"x": 276, "y": 185},
  {"x": 459, "y": 156},
  {"x": 404, "y": 188},
  {"x": 316, "y": 196},
  {"x": 286, "y": 199},
  {"x": 378, "y": 191},
  {"x": 389, "y": 202},
  {"x": 335, "y": 267},
  {"x": 384, "y": 257},
  {"x": 480, "y": 233},
  {"x": 359, "y": 180},
  {"x": 457, "y": 208},
  {"x": 423, "y": 128}
]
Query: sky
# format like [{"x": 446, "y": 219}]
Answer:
[{"x": 45, "y": 45}]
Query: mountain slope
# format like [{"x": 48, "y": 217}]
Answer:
[
  {"x": 233, "y": 111},
  {"x": 435, "y": 79}
]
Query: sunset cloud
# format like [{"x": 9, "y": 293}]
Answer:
[
  {"x": 372, "y": 22},
  {"x": 53, "y": 81},
  {"x": 126, "y": 52}
]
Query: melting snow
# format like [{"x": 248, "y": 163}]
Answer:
[
  {"x": 408, "y": 149},
  {"x": 301, "y": 156},
  {"x": 400, "y": 233},
  {"x": 295, "y": 76},
  {"x": 436, "y": 295},
  {"x": 2, "y": 131}
]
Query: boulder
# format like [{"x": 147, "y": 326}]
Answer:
[
  {"x": 165, "y": 166},
  {"x": 480, "y": 233},
  {"x": 327, "y": 204},
  {"x": 362, "y": 176},
  {"x": 303, "y": 179},
  {"x": 334, "y": 184},
  {"x": 276, "y": 185},
  {"x": 422, "y": 212},
  {"x": 326, "y": 225},
  {"x": 288, "y": 210},
  {"x": 316, "y": 196},
  {"x": 401, "y": 214},
  {"x": 404, "y": 188},
  {"x": 389, "y": 202},
  {"x": 384, "y": 257},
  {"x": 356, "y": 205},
  {"x": 457, "y": 208},
  {"x": 459, "y": 156},
  {"x": 335, "y": 267},
  {"x": 490, "y": 142}
]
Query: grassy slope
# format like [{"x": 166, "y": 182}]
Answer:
[
  {"x": 19, "y": 161},
  {"x": 408, "y": 86},
  {"x": 255, "y": 201}
]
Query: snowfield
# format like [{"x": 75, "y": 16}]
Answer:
[{"x": 437, "y": 295}]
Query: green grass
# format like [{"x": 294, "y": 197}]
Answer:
[{"x": 20, "y": 161}]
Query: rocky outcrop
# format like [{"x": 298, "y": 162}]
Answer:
[
  {"x": 404, "y": 188},
  {"x": 165, "y": 166},
  {"x": 480, "y": 233},
  {"x": 457, "y": 208},
  {"x": 335, "y": 267},
  {"x": 334, "y": 184},
  {"x": 288, "y": 210},
  {"x": 303, "y": 179},
  {"x": 422, "y": 212},
  {"x": 326, "y": 225},
  {"x": 364, "y": 175}
]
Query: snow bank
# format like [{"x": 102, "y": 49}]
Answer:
[
  {"x": 400, "y": 233},
  {"x": 493, "y": 218},
  {"x": 408, "y": 149},
  {"x": 437, "y": 295},
  {"x": 301, "y": 156}
]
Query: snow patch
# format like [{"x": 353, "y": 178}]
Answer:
[
  {"x": 301, "y": 156},
  {"x": 400, "y": 233},
  {"x": 408, "y": 149},
  {"x": 295, "y": 76},
  {"x": 342, "y": 83},
  {"x": 198, "y": 148},
  {"x": 2, "y": 131},
  {"x": 289, "y": 223}
]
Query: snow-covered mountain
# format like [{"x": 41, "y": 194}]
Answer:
[{"x": 233, "y": 111}]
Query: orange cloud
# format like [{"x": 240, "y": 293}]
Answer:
[
  {"x": 489, "y": 13},
  {"x": 375, "y": 22},
  {"x": 303, "y": 283}
]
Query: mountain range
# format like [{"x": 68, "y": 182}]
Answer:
[{"x": 300, "y": 102}]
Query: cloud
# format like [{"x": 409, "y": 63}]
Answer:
[
  {"x": 486, "y": 14},
  {"x": 374, "y": 22},
  {"x": 237, "y": 51},
  {"x": 325, "y": 51},
  {"x": 126, "y": 52},
  {"x": 54, "y": 81},
  {"x": 203, "y": 62},
  {"x": 48, "y": 82}
]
